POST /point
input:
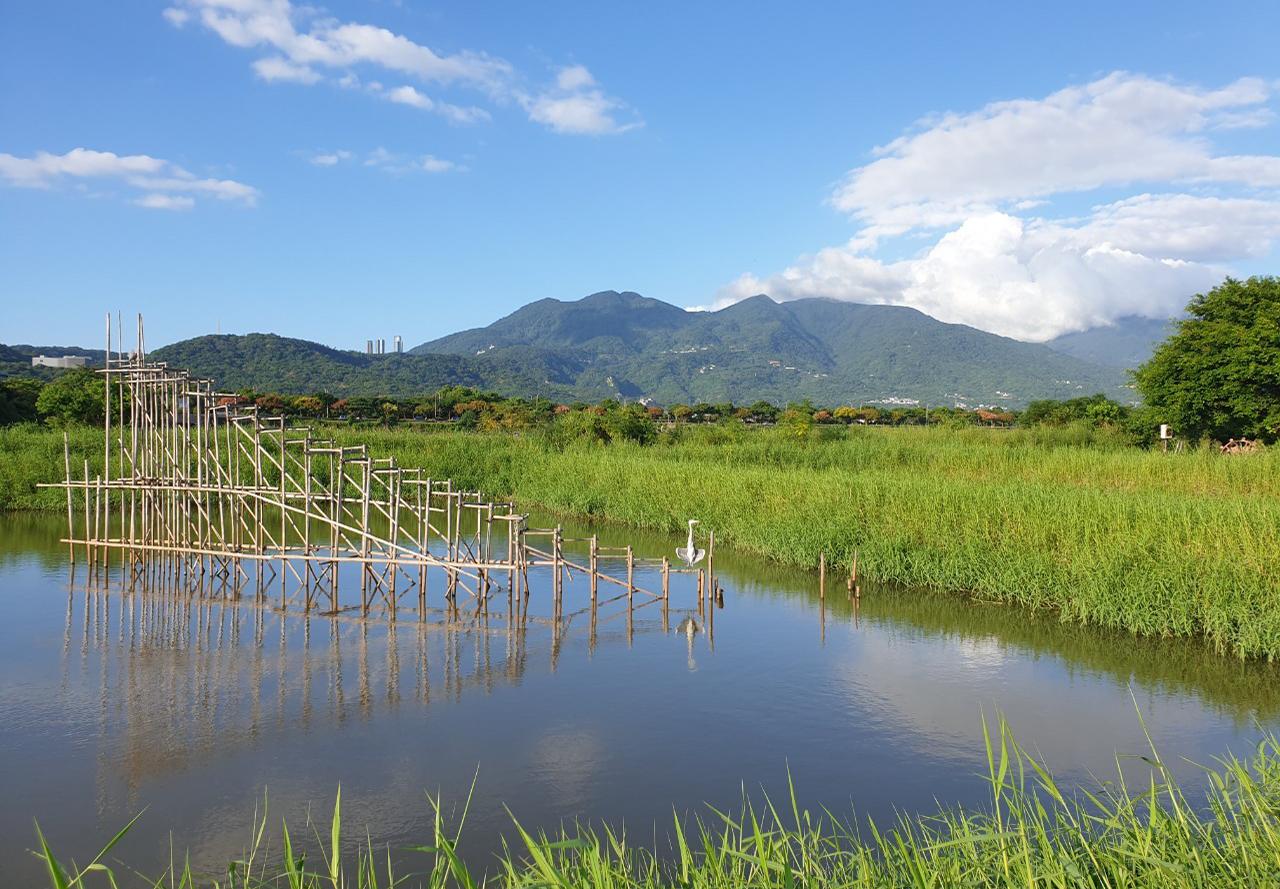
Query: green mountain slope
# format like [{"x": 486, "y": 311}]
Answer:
[
  {"x": 271, "y": 363},
  {"x": 625, "y": 345},
  {"x": 1126, "y": 344},
  {"x": 827, "y": 350}
]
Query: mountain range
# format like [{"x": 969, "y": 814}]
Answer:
[{"x": 624, "y": 345}]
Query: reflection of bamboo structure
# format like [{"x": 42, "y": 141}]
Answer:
[
  {"x": 182, "y": 679},
  {"x": 200, "y": 491}
]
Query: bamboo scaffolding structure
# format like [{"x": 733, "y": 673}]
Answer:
[{"x": 198, "y": 491}]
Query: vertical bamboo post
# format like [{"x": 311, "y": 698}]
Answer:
[
  {"x": 631, "y": 568},
  {"x": 822, "y": 575},
  {"x": 66, "y": 460},
  {"x": 106, "y": 440},
  {"x": 557, "y": 568},
  {"x": 88, "y": 552},
  {"x": 666, "y": 581},
  {"x": 424, "y": 519},
  {"x": 594, "y": 567},
  {"x": 711, "y": 563}
]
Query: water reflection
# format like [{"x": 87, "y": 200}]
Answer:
[
  {"x": 182, "y": 680},
  {"x": 190, "y": 706}
]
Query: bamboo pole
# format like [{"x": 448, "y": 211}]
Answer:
[
  {"x": 631, "y": 584},
  {"x": 71, "y": 531},
  {"x": 711, "y": 560},
  {"x": 595, "y": 567}
]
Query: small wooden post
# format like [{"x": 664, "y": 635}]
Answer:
[
  {"x": 88, "y": 553},
  {"x": 558, "y": 568},
  {"x": 666, "y": 581},
  {"x": 595, "y": 546},
  {"x": 66, "y": 459},
  {"x": 822, "y": 575},
  {"x": 631, "y": 567},
  {"x": 711, "y": 563}
]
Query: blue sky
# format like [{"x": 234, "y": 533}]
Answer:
[{"x": 365, "y": 169}]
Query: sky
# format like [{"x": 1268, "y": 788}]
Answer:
[{"x": 351, "y": 170}]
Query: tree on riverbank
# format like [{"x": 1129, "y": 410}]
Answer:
[
  {"x": 1219, "y": 374},
  {"x": 77, "y": 396}
]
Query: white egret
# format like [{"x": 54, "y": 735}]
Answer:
[{"x": 689, "y": 554}]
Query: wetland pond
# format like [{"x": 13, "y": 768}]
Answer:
[{"x": 112, "y": 702}]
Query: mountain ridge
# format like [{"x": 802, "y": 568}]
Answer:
[
  {"x": 613, "y": 344},
  {"x": 834, "y": 350}
]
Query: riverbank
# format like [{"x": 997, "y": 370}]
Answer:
[
  {"x": 1151, "y": 543},
  {"x": 1032, "y": 832}
]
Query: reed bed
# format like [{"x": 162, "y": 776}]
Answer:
[
  {"x": 1151, "y": 543},
  {"x": 1155, "y": 544},
  {"x": 1029, "y": 833}
]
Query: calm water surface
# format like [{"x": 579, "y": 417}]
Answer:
[{"x": 112, "y": 702}]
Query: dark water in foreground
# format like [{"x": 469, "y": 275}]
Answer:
[{"x": 110, "y": 703}]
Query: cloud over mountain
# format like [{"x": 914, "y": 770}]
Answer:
[{"x": 1050, "y": 215}]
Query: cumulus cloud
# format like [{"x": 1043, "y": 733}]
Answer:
[
  {"x": 970, "y": 183},
  {"x": 576, "y": 104},
  {"x": 162, "y": 181},
  {"x": 305, "y": 47}
]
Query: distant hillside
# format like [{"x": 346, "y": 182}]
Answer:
[
  {"x": 629, "y": 346},
  {"x": 1125, "y": 344},
  {"x": 827, "y": 350},
  {"x": 271, "y": 363},
  {"x": 16, "y": 360}
]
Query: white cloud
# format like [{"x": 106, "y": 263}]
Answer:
[
  {"x": 391, "y": 162},
  {"x": 330, "y": 158},
  {"x": 153, "y": 175},
  {"x": 970, "y": 182},
  {"x": 407, "y": 95},
  {"x": 433, "y": 164},
  {"x": 575, "y": 77},
  {"x": 274, "y": 68},
  {"x": 158, "y": 201},
  {"x": 577, "y": 105},
  {"x": 303, "y": 47},
  {"x": 41, "y": 171}
]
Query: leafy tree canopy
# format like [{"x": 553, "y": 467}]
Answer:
[
  {"x": 77, "y": 396},
  {"x": 1219, "y": 374}
]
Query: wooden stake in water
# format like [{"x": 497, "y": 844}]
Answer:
[
  {"x": 631, "y": 584},
  {"x": 66, "y": 460},
  {"x": 594, "y": 567}
]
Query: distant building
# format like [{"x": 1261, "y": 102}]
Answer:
[
  {"x": 379, "y": 346},
  {"x": 64, "y": 361}
]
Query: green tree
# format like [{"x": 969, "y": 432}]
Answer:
[
  {"x": 77, "y": 396},
  {"x": 18, "y": 397},
  {"x": 1219, "y": 374}
]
